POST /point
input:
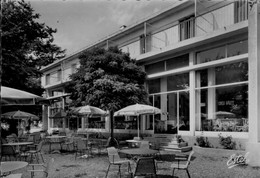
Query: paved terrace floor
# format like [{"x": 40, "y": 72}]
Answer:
[{"x": 202, "y": 166}]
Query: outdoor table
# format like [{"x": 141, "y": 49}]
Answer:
[
  {"x": 134, "y": 143},
  {"x": 18, "y": 144},
  {"x": 10, "y": 166},
  {"x": 139, "y": 152},
  {"x": 55, "y": 139}
]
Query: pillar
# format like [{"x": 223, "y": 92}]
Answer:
[{"x": 253, "y": 144}]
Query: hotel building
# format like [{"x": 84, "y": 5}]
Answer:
[{"x": 201, "y": 60}]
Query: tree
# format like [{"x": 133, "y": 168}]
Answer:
[
  {"x": 27, "y": 45},
  {"x": 108, "y": 79}
]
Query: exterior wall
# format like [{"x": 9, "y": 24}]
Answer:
[
  {"x": 163, "y": 38},
  {"x": 253, "y": 145}
]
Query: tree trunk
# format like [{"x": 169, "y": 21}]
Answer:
[
  {"x": 112, "y": 139},
  {"x": 111, "y": 116}
]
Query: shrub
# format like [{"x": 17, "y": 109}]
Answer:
[
  {"x": 203, "y": 141},
  {"x": 227, "y": 142}
]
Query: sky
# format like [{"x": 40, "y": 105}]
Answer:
[{"x": 80, "y": 23}]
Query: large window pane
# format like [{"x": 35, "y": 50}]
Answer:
[
  {"x": 125, "y": 122},
  {"x": 155, "y": 67},
  {"x": 231, "y": 73},
  {"x": 154, "y": 86},
  {"x": 184, "y": 111},
  {"x": 96, "y": 122},
  {"x": 178, "y": 82},
  {"x": 211, "y": 55},
  {"x": 238, "y": 48},
  {"x": 177, "y": 62},
  {"x": 223, "y": 109}
]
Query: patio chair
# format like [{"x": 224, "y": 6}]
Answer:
[
  {"x": 144, "y": 144},
  {"x": 81, "y": 147},
  {"x": 9, "y": 152},
  {"x": 41, "y": 168},
  {"x": 68, "y": 143},
  {"x": 114, "y": 159},
  {"x": 36, "y": 153},
  {"x": 12, "y": 138},
  {"x": 182, "y": 166},
  {"x": 145, "y": 167}
]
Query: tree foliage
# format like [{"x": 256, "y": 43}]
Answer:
[
  {"x": 108, "y": 79},
  {"x": 27, "y": 45}
]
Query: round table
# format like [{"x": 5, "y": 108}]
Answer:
[
  {"x": 55, "y": 139},
  {"x": 139, "y": 151},
  {"x": 12, "y": 166},
  {"x": 17, "y": 143}
]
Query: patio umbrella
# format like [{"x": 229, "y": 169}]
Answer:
[
  {"x": 89, "y": 111},
  {"x": 16, "y": 97},
  {"x": 137, "y": 110},
  {"x": 224, "y": 114},
  {"x": 19, "y": 115},
  {"x": 58, "y": 115}
]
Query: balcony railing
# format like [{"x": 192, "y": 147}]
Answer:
[{"x": 224, "y": 16}]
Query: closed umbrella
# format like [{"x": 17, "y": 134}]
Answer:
[{"x": 137, "y": 110}]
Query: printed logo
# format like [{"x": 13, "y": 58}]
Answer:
[{"x": 237, "y": 159}]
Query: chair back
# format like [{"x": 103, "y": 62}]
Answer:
[
  {"x": 189, "y": 158},
  {"x": 12, "y": 138},
  {"x": 37, "y": 138},
  {"x": 145, "y": 166},
  {"x": 113, "y": 155},
  {"x": 81, "y": 144},
  {"x": 30, "y": 138},
  {"x": 8, "y": 151},
  {"x": 144, "y": 144},
  {"x": 39, "y": 146}
]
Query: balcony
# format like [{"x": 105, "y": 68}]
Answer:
[{"x": 188, "y": 28}]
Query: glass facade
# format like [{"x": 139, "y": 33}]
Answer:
[
  {"x": 221, "y": 93},
  {"x": 222, "y": 103}
]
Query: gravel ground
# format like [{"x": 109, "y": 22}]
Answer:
[{"x": 211, "y": 165}]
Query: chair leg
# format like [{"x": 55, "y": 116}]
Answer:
[
  {"x": 129, "y": 167},
  {"x": 119, "y": 170},
  {"x": 42, "y": 157},
  {"x": 107, "y": 170},
  {"x": 173, "y": 172},
  {"x": 188, "y": 173}
]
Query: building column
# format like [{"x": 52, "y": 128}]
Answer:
[
  {"x": 44, "y": 117},
  {"x": 164, "y": 101},
  {"x": 253, "y": 144},
  {"x": 63, "y": 119},
  {"x": 192, "y": 95}
]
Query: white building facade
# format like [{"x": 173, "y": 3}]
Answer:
[{"x": 201, "y": 59}]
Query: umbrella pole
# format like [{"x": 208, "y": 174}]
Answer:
[{"x": 138, "y": 134}]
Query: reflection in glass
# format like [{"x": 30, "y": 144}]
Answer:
[
  {"x": 184, "y": 111},
  {"x": 178, "y": 82},
  {"x": 211, "y": 55},
  {"x": 225, "y": 109}
]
